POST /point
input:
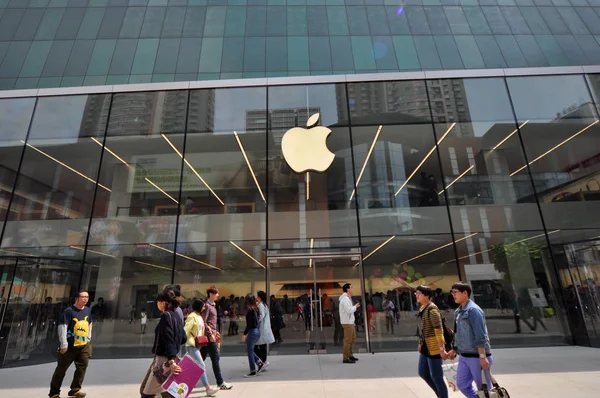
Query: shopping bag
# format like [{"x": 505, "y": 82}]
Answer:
[
  {"x": 181, "y": 385},
  {"x": 450, "y": 369},
  {"x": 493, "y": 391}
]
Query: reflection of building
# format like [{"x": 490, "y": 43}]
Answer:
[
  {"x": 448, "y": 101},
  {"x": 279, "y": 120}
]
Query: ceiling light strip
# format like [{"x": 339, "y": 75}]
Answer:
[
  {"x": 184, "y": 256},
  {"x": 249, "y": 166},
  {"x": 111, "y": 152},
  {"x": 438, "y": 248},
  {"x": 19, "y": 253},
  {"x": 193, "y": 169},
  {"x": 92, "y": 251},
  {"x": 152, "y": 265},
  {"x": 307, "y": 185},
  {"x": 66, "y": 166},
  {"x": 312, "y": 244},
  {"x": 247, "y": 254},
  {"x": 366, "y": 161},
  {"x": 456, "y": 179},
  {"x": 425, "y": 159},
  {"x": 161, "y": 190},
  {"x": 555, "y": 147},
  {"x": 508, "y": 136}
]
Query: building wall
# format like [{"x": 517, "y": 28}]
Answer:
[{"x": 58, "y": 43}]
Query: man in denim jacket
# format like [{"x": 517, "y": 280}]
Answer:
[{"x": 471, "y": 341}]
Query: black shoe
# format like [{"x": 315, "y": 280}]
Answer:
[
  {"x": 349, "y": 361},
  {"x": 353, "y": 358}
]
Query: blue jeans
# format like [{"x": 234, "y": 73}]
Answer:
[
  {"x": 251, "y": 339},
  {"x": 195, "y": 354},
  {"x": 430, "y": 370},
  {"x": 469, "y": 371}
]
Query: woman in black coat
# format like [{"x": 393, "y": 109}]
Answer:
[{"x": 276, "y": 320}]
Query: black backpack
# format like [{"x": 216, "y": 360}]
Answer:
[{"x": 448, "y": 335}]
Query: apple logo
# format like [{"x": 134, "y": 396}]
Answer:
[{"x": 306, "y": 149}]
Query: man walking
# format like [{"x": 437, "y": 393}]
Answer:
[
  {"x": 471, "y": 341},
  {"x": 214, "y": 337},
  {"x": 347, "y": 311},
  {"x": 74, "y": 335},
  {"x": 389, "y": 308}
]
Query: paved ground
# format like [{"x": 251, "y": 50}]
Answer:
[{"x": 534, "y": 372}]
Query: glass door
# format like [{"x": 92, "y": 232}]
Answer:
[{"x": 305, "y": 288}]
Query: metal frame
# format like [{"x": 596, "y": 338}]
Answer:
[
  {"x": 316, "y": 253},
  {"x": 279, "y": 81}
]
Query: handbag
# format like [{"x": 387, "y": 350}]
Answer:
[
  {"x": 201, "y": 340},
  {"x": 495, "y": 392},
  {"x": 160, "y": 370}
]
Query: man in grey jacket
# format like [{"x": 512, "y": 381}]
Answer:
[{"x": 347, "y": 310}]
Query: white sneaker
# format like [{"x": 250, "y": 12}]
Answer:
[
  {"x": 265, "y": 366},
  {"x": 225, "y": 386},
  {"x": 212, "y": 392}
]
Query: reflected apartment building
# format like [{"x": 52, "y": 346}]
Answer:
[{"x": 140, "y": 146}]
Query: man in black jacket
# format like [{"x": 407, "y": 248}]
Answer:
[{"x": 214, "y": 337}]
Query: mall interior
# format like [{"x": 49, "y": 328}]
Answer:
[{"x": 141, "y": 146}]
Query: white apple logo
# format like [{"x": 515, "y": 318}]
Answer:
[{"x": 306, "y": 149}]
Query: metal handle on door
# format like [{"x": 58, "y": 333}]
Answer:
[
  {"x": 322, "y": 305},
  {"x": 311, "y": 311}
]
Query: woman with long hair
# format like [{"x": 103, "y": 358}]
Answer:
[
  {"x": 194, "y": 327},
  {"x": 169, "y": 335},
  {"x": 264, "y": 325},
  {"x": 251, "y": 336}
]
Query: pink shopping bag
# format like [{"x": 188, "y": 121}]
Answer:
[{"x": 181, "y": 386}]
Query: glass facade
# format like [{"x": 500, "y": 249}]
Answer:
[
  {"x": 58, "y": 43},
  {"x": 488, "y": 180}
]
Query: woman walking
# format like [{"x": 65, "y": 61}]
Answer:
[
  {"x": 194, "y": 327},
  {"x": 251, "y": 336},
  {"x": 431, "y": 343},
  {"x": 169, "y": 335},
  {"x": 264, "y": 325}
]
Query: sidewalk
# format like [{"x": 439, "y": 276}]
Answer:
[{"x": 532, "y": 372}]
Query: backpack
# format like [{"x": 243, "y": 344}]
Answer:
[{"x": 448, "y": 334}]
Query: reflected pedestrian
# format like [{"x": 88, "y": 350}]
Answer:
[
  {"x": 347, "y": 310},
  {"x": 251, "y": 336}
]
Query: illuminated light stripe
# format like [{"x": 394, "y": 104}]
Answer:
[
  {"x": 91, "y": 251},
  {"x": 312, "y": 243},
  {"x": 19, "y": 253},
  {"x": 456, "y": 179},
  {"x": 438, "y": 248},
  {"x": 249, "y": 166},
  {"x": 555, "y": 147},
  {"x": 193, "y": 169},
  {"x": 507, "y": 137},
  {"x": 161, "y": 190},
  {"x": 377, "y": 248},
  {"x": 153, "y": 265},
  {"x": 184, "y": 256},
  {"x": 66, "y": 166},
  {"x": 111, "y": 152},
  {"x": 366, "y": 161},
  {"x": 425, "y": 158},
  {"x": 247, "y": 254}
]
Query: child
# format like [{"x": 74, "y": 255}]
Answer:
[{"x": 144, "y": 320}]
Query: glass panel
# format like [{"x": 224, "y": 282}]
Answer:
[
  {"x": 36, "y": 58},
  {"x": 91, "y": 23},
  {"x": 490, "y": 52},
  {"x": 173, "y": 24},
  {"x": 123, "y": 57},
  {"x": 254, "y": 54},
  {"x": 215, "y": 22},
  {"x": 132, "y": 23},
  {"x": 131, "y": 246},
  {"x": 57, "y": 179},
  {"x": 101, "y": 57},
  {"x": 194, "y": 22},
  {"x": 362, "y": 49},
  {"x": 14, "y": 58},
  {"x": 153, "y": 21},
  {"x": 341, "y": 53},
  {"x": 57, "y": 58},
  {"x": 296, "y": 20},
  {"x": 510, "y": 51},
  {"x": 79, "y": 58},
  {"x": 235, "y": 23},
  {"x": 276, "y": 55},
  {"x": 394, "y": 271},
  {"x": 29, "y": 24},
  {"x": 111, "y": 24},
  {"x": 70, "y": 23},
  {"x": 276, "y": 21},
  {"x": 50, "y": 23},
  {"x": 338, "y": 20},
  {"x": 166, "y": 58},
  {"x": 189, "y": 56},
  {"x": 357, "y": 20},
  {"x": 9, "y": 23},
  {"x": 559, "y": 141},
  {"x": 258, "y": 26},
  {"x": 531, "y": 51}
]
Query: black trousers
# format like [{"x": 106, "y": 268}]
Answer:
[
  {"x": 81, "y": 356},
  {"x": 261, "y": 351},
  {"x": 212, "y": 350}
]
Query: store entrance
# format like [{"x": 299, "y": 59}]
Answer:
[
  {"x": 305, "y": 288},
  {"x": 33, "y": 293}
]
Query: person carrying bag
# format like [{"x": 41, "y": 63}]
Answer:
[{"x": 495, "y": 392}]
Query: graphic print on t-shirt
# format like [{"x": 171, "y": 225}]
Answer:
[{"x": 80, "y": 332}]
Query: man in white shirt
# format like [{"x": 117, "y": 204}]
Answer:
[{"x": 347, "y": 310}]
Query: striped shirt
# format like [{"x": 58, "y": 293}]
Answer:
[{"x": 431, "y": 331}]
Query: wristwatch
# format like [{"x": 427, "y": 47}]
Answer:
[{"x": 482, "y": 356}]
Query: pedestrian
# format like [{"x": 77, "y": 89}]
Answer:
[
  {"x": 233, "y": 323},
  {"x": 431, "y": 343},
  {"x": 214, "y": 337},
  {"x": 143, "y": 320},
  {"x": 276, "y": 320},
  {"x": 264, "y": 325},
  {"x": 471, "y": 341},
  {"x": 132, "y": 312},
  {"x": 194, "y": 327},
  {"x": 371, "y": 313},
  {"x": 74, "y": 335},
  {"x": 169, "y": 335},
  {"x": 251, "y": 336},
  {"x": 347, "y": 310},
  {"x": 388, "y": 308}
]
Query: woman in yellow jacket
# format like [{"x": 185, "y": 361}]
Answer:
[{"x": 194, "y": 327}]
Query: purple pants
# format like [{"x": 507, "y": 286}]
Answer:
[{"x": 469, "y": 371}]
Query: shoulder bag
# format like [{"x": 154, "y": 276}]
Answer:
[
  {"x": 201, "y": 340},
  {"x": 495, "y": 392},
  {"x": 160, "y": 370}
]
